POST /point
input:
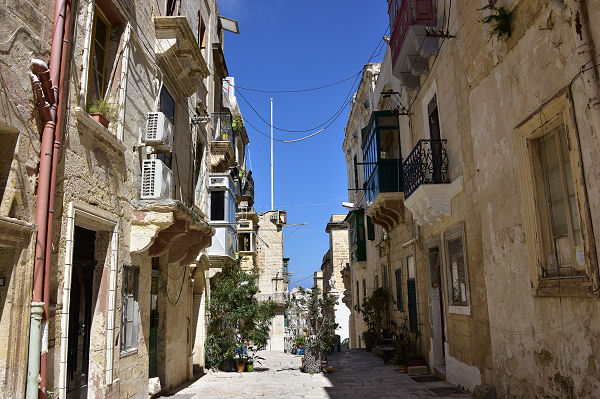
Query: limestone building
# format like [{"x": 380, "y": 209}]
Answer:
[
  {"x": 472, "y": 152},
  {"x": 272, "y": 281},
  {"x": 334, "y": 261},
  {"x": 119, "y": 276}
]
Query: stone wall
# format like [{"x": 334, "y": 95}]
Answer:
[{"x": 542, "y": 346}]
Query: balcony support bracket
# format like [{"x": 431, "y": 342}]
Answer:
[{"x": 429, "y": 202}]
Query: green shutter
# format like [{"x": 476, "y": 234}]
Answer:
[
  {"x": 370, "y": 229},
  {"x": 412, "y": 305},
  {"x": 399, "y": 304}
]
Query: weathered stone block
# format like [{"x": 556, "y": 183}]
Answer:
[{"x": 484, "y": 392}]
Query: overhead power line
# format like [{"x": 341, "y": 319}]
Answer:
[
  {"x": 300, "y": 90},
  {"x": 378, "y": 48}
]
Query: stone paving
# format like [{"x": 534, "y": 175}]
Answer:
[{"x": 359, "y": 374}]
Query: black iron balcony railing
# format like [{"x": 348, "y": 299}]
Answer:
[
  {"x": 247, "y": 186},
  {"x": 427, "y": 163},
  {"x": 405, "y": 14},
  {"x": 222, "y": 128}
]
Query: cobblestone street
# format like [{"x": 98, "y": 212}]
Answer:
[{"x": 359, "y": 374}]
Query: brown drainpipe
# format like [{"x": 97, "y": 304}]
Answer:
[
  {"x": 61, "y": 107},
  {"x": 47, "y": 94}
]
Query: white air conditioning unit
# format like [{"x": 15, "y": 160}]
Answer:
[
  {"x": 157, "y": 180},
  {"x": 159, "y": 131}
]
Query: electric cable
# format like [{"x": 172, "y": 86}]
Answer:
[
  {"x": 299, "y": 90},
  {"x": 378, "y": 48}
]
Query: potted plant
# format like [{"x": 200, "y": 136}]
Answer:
[
  {"x": 401, "y": 359},
  {"x": 104, "y": 111},
  {"x": 251, "y": 359},
  {"x": 321, "y": 326},
  {"x": 373, "y": 308},
  {"x": 240, "y": 364},
  {"x": 415, "y": 358}
]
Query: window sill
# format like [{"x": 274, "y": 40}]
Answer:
[
  {"x": 564, "y": 286},
  {"x": 87, "y": 124},
  {"x": 464, "y": 310},
  {"x": 128, "y": 352}
]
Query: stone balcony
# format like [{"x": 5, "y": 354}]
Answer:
[
  {"x": 222, "y": 152},
  {"x": 410, "y": 46},
  {"x": 169, "y": 227},
  {"x": 279, "y": 298},
  {"x": 178, "y": 54},
  {"x": 428, "y": 191}
]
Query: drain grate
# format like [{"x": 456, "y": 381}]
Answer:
[
  {"x": 445, "y": 391},
  {"x": 425, "y": 378}
]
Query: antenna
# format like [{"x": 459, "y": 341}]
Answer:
[{"x": 272, "y": 206}]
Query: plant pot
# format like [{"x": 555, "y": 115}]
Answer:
[
  {"x": 250, "y": 367},
  {"x": 240, "y": 367},
  {"x": 403, "y": 368},
  {"x": 101, "y": 119}
]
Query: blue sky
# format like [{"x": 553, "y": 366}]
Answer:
[{"x": 295, "y": 45}]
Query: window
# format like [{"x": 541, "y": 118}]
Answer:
[
  {"x": 245, "y": 242},
  {"x": 166, "y": 105},
  {"x": 129, "y": 293},
  {"x": 456, "y": 267},
  {"x": 558, "y": 229},
  {"x": 97, "y": 83},
  {"x": 364, "y": 288},
  {"x": 357, "y": 294},
  {"x": 381, "y": 154},
  {"x": 411, "y": 293},
  {"x": 399, "y": 302},
  {"x": 198, "y": 189},
  {"x": 355, "y": 172},
  {"x": 370, "y": 229},
  {"x": 394, "y": 8},
  {"x": 557, "y": 205},
  {"x": 385, "y": 277},
  {"x": 217, "y": 205},
  {"x": 201, "y": 31},
  {"x": 356, "y": 231},
  {"x": 436, "y": 143},
  {"x": 173, "y": 8}
]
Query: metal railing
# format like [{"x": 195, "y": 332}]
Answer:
[
  {"x": 247, "y": 186},
  {"x": 411, "y": 12},
  {"x": 222, "y": 129},
  {"x": 277, "y": 297},
  {"x": 427, "y": 163}
]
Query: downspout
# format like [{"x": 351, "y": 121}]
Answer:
[
  {"x": 47, "y": 93},
  {"x": 585, "y": 48},
  {"x": 52, "y": 196}
]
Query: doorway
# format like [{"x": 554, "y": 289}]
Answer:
[
  {"x": 80, "y": 313},
  {"x": 438, "y": 335},
  {"x": 154, "y": 320}
]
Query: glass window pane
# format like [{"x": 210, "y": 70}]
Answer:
[
  {"x": 98, "y": 58},
  {"x": 95, "y": 88},
  {"x": 101, "y": 30},
  {"x": 554, "y": 184},
  {"x": 217, "y": 205},
  {"x": 457, "y": 272},
  {"x": 390, "y": 145},
  {"x": 167, "y": 105},
  {"x": 387, "y": 120}
]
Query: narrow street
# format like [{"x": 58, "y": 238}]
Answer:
[{"x": 359, "y": 374}]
